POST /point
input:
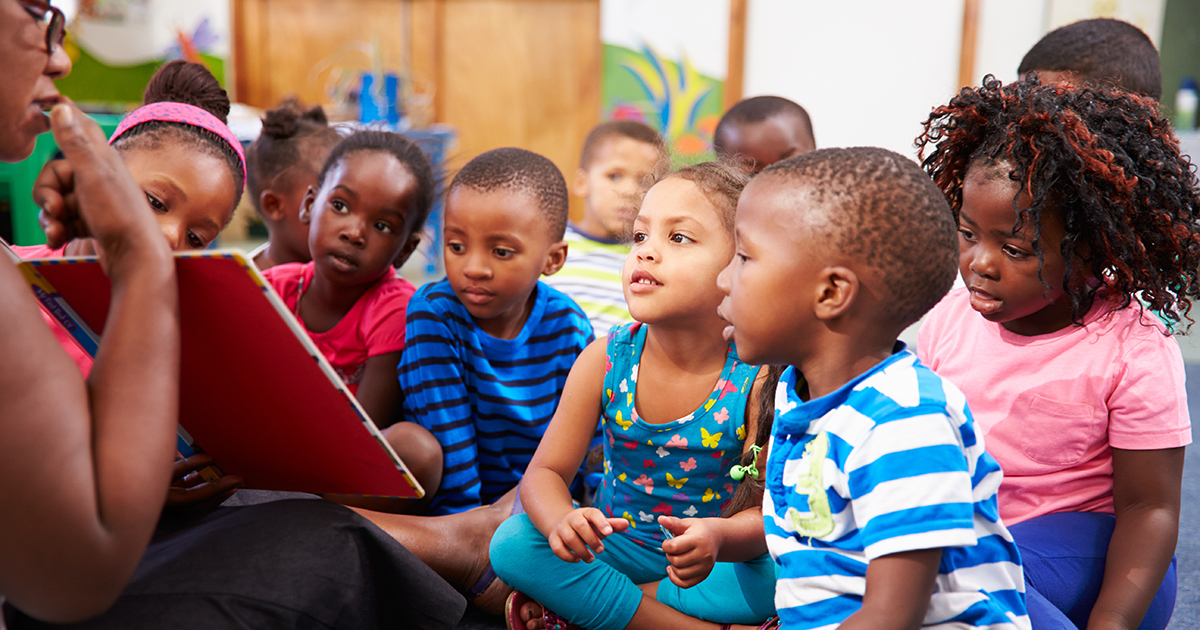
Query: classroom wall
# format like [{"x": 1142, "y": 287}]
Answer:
[{"x": 869, "y": 71}]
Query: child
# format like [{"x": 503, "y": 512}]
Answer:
[
  {"x": 372, "y": 197},
  {"x": 881, "y": 507},
  {"x": 1102, "y": 51},
  {"x": 671, "y": 397},
  {"x": 490, "y": 346},
  {"x": 185, "y": 159},
  {"x": 282, "y": 164},
  {"x": 1074, "y": 207},
  {"x": 618, "y": 157},
  {"x": 760, "y": 131}
]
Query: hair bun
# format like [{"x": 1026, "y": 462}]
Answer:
[
  {"x": 191, "y": 83},
  {"x": 281, "y": 122},
  {"x": 315, "y": 114}
]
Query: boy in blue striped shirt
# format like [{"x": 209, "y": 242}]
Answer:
[
  {"x": 880, "y": 503},
  {"x": 489, "y": 347}
]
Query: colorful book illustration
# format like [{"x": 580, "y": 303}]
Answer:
[{"x": 255, "y": 391}]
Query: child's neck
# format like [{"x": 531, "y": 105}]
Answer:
[
  {"x": 691, "y": 348},
  {"x": 324, "y": 303},
  {"x": 841, "y": 359}
]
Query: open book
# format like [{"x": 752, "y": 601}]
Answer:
[{"x": 255, "y": 392}]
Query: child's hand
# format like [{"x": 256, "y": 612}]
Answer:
[
  {"x": 91, "y": 193},
  {"x": 581, "y": 529},
  {"x": 189, "y": 489},
  {"x": 692, "y": 552}
]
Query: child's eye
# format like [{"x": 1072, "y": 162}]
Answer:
[
  {"x": 383, "y": 227},
  {"x": 155, "y": 203},
  {"x": 616, "y": 177},
  {"x": 679, "y": 238},
  {"x": 456, "y": 248},
  {"x": 503, "y": 253},
  {"x": 966, "y": 234},
  {"x": 195, "y": 241},
  {"x": 1013, "y": 252},
  {"x": 639, "y": 237},
  {"x": 338, "y": 205}
]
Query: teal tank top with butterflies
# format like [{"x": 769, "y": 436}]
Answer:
[{"x": 678, "y": 468}]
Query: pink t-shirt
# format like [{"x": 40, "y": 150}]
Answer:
[
  {"x": 1051, "y": 406},
  {"x": 374, "y": 325},
  {"x": 81, "y": 358}
]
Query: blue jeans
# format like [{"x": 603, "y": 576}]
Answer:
[
  {"x": 604, "y": 594},
  {"x": 1063, "y": 555}
]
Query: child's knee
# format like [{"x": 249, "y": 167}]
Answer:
[
  {"x": 419, "y": 451},
  {"x": 513, "y": 545}
]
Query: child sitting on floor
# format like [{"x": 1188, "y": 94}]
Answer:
[
  {"x": 1077, "y": 218},
  {"x": 282, "y": 165},
  {"x": 760, "y": 131},
  {"x": 490, "y": 346},
  {"x": 617, "y": 160},
  {"x": 881, "y": 500},
  {"x": 372, "y": 198},
  {"x": 186, "y": 161},
  {"x": 671, "y": 396}
]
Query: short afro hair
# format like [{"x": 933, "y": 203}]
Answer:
[
  {"x": 518, "y": 170},
  {"x": 881, "y": 210},
  {"x": 755, "y": 110},
  {"x": 606, "y": 131},
  {"x": 1100, "y": 51}
]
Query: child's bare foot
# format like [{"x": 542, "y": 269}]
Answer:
[{"x": 491, "y": 599}]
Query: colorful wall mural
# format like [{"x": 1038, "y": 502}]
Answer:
[{"x": 665, "y": 63}]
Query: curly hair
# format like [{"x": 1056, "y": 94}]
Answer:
[
  {"x": 1105, "y": 161},
  {"x": 720, "y": 182}
]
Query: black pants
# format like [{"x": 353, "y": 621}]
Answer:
[{"x": 292, "y": 563}]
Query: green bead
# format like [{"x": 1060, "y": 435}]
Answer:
[{"x": 737, "y": 472}]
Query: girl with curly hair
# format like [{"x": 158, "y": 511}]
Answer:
[{"x": 1077, "y": 225}]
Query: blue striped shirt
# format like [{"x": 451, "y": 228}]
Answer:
[
  {"x": 487, "y": 400},
  {"x": 889, "y": 463}
]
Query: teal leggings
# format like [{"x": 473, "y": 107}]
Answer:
[{"x": 604, "y": 595}]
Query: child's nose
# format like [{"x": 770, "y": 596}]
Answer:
[
  {"x": 174, "y": 232},
  {"x": 352, "y": 232},
  {"x": 983, "y": 262},
  {"x": 476, "y": 268}
]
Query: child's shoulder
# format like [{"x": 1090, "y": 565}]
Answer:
[
  {"x": 904, "y": 388},
  {"x": 286, "y": 278}
]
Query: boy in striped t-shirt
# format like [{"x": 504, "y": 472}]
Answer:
[
  {"x": 880, "y": 504},
  {"x": 489, "y": 347},
  {"x": 618, "y": 159}
]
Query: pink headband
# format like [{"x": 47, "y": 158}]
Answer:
[{"x": 186, "y": 114}]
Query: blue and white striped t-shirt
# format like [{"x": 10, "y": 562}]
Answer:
[
  {"x": 487, "y": 400},
  {"x": 891, "y": 462}
]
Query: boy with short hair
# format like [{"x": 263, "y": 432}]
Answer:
[
  {"x": 489, "y": 347},
  {"x": 1100, "y": 51},
  {"x": 759, "y": 131},
  {"x": 880, "y": 505},
  {"x": 618, "y": 158}
]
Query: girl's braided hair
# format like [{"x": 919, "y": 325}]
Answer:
[{"x": 1105, "y": 160}]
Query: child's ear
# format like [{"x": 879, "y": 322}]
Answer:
[
  {"x": 272, "y": 205},
  {"x": 837, "y": 288},
  {"x": 555, "y": 258},
  {"x": 406, "y": 252},
  {"x": 580, "y": 185},
  {"x": 310, "y": 197}
]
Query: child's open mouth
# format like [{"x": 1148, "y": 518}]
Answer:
[
  {"x": 342, "y": 263},
  {"x": 983, "y": 302}
]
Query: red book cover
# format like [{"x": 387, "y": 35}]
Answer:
[{"x": 255, "y": 393}]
